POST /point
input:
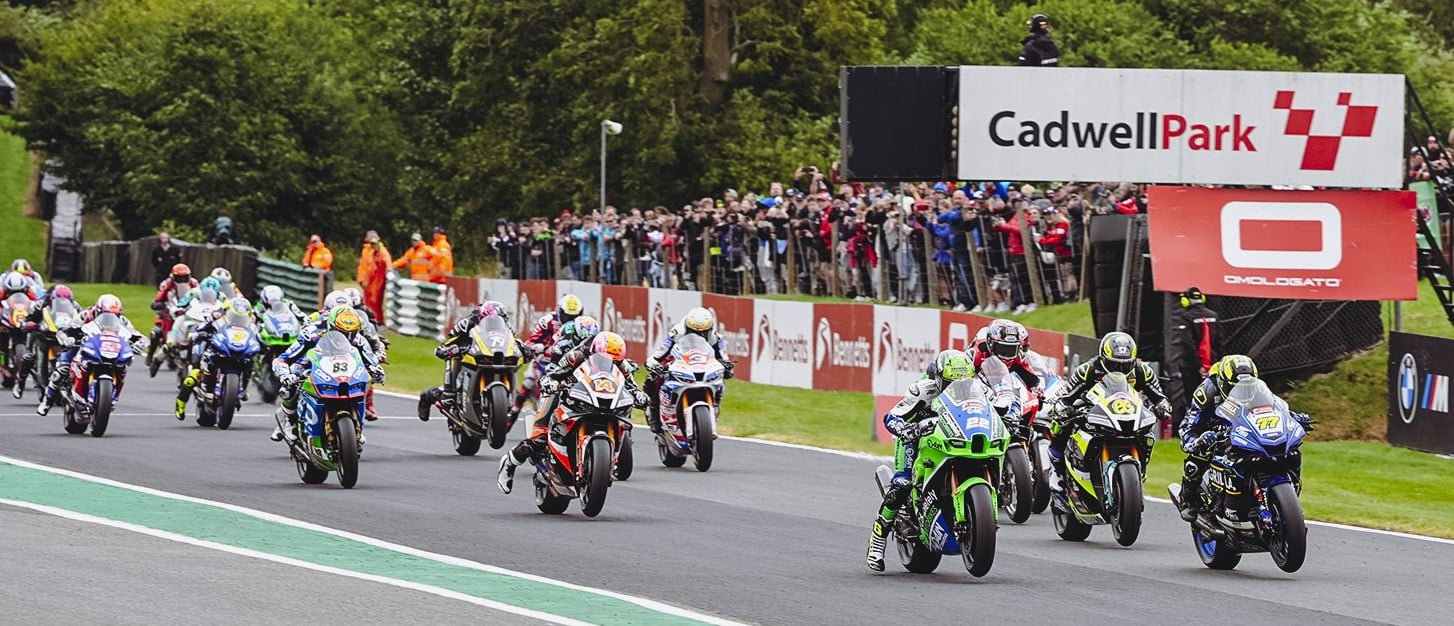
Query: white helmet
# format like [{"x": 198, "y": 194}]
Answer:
[
  {"x": 335, "y": 299},
  {"x": 700, "y": 320},
  {"x": 272, "y": 294},
  {"x": 355, "y": 297}
]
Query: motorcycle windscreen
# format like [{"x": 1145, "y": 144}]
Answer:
[
  {"x": 63, "y": 313},
  {"x": 338, "y": 370},
  {"x": 1005, "y": 387},
  {"x": 1260, "y": 420},
  {"x": 493, "y": 337},
  {"x": 107, "y": 344},
  {"x": 968, "y": 408},
  {"x": 603, "y": 381},
  {"x": 693, "y": 355}
]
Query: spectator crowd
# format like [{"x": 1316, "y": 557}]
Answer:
[{"x": 982, "y": 246}]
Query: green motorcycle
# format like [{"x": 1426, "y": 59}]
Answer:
[{"x": 952, "y": 505}]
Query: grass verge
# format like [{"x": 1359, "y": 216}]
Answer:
[{"x": 20, "y": 236}]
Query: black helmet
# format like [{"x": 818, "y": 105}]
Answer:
[
  {"x": 1006, "y": 339},
  {"x": 1037, "y": 23},
  {"x": 1231, "y": 370},
  {"x": 1118, "y": 352}
]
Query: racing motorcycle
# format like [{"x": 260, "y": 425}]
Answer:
[
  {"x": 231, "y": 349},
  {"x": 1106, "y": 463},
  {"x": 56, "y": 318},
  {"x": 694, "y": 381},
  {"x": 97, "y": 374},
  {"x": 328, "y": 436},
  {"x": 1009, "y": 396},
  {"x": 589, "y": 424},
  {"x": 278, "y": 329},
  {"x": 167, "y": 312},
  {"x": 178, "y": 352},
  {"x": 486, "y": 380},
  {"x": 1249, "y": 492},
  {"x": 952, "y": 506},
  {"x": 1052, "y": 385},
  {"x": 14, "y": 330}
]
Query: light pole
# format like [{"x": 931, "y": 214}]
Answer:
[{"x": 608, "y": 127}]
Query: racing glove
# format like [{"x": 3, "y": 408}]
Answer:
[
  {"x": 655, "y": 370},
  {"x": 376, "y": 374},
  {"x": 925, "y": 427},
  {"x": 1164, "y": 408},
  {"x": 730, "y": 368},
  {"x": 640, "y": 397},
  {"x": 1201, "y": 445},
  {"x": 1306, "y": 420},
  {"x": 288, "y": 379},
  {"x": 446, "y": 351}
]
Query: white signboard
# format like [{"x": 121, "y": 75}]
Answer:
[
  {"x": 906, "y": 340},
  {"x": 782, "y": 344},
  {"x": 1182, "y": 126}
]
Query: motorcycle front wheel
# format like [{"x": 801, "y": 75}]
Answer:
[
  {"x": 499, "y": 416},
  {"x": 977, "y": 546},
  {"x": 225, "y": 410},
  {"x": 1288, "y": 542},
  {"x": 597, "y": 476},
  {"x": 702, "y": 438},
  {"x": 101, "y": 416},
  {"x": 345, "y": 433},
  {"x": 1126, "y": 513}
]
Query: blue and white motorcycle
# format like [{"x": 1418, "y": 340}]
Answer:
[
  {"x": 231, "y": 351},
  {"x": 694, "y": 381},
  {"x": 98, "y": 372},
  {"x": 1249, "y": 492}
]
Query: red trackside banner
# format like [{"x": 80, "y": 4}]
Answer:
[{"x": 1298, "y": 245}]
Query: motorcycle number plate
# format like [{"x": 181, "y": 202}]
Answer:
[
  {"x": 1267, "y": 420},
  {"x": 110, "y": 347},
  {"x": 337, "y": 365},
  {"x": 236, "y": 335},
  {"x": 697, "y": 357},
  {"x": 498, "y": 340},
  {"x": 603, "y": 385}
]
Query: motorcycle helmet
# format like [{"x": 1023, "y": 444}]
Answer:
[
  {"x": 491, "y": 308},
  {"x": 239, "y": 306},
  {"x": 335, "y": 299},
  {"x": 1118, "y": 353},
  {"x": 345, "y": 320},
  {"x": 951, "y": 365},
  {"x": 1231, "y": 370},
  {"x": 62, "y": 292},
  {"x": 1006, "y": 339},
  {"x": 271, "y": 295},
  {"x": 181, "y": 273},
  {"x": 355, "y": 297},
  {"x": 222, "y": 275},
  {"x": 211, "y": 283},
  {"x": 108, "y": 303},
  {"x": 609, "y": 343},
  {"x": 15, "y": 283},
  {"x": 570, "y": 308},
  {"x": 208, "y": 295},
  {"x": 699, "y": 320},
  {"x": 586, "y": 326},
  {"x": 20, "y": 266}
]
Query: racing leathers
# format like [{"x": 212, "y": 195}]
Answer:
[
  {"x": 37, "y": 285},
  {"x": 904, "y": 421},
  {"x": 1020, "y": 366},
  {"x": 561, "y": 369},
  {"x": 543, "y": 335},
  {"x": 204, "y": 371},
  {"x": 1065, "y": 416},
  {"x": 1198, "y": 435},
  {"x": 75, "y": 336},
  {"x": 36, "y": 317},
  {"x": 289, "y": 367},
  {"x": 661, "y": 406}
]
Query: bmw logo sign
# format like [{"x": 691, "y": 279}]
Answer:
[{"x": 1408, "y": 387}]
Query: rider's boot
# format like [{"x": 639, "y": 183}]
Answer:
[
  {"x": 426, "y": 402},
  {"x": 290, "y": 417},
  {"x": 185, "y": 393},
  {"x": 506, "y": 478},
  {"x": 1057, "y": 459},
  {"x": 47, "y": 396},
  {"x": 878, "y": 540},
  {"x": 1190, "y": 496},
  {"x": 369, "y": 413},
  {"x": 22, "y": 374}
]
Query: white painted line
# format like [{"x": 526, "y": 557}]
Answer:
[
  {"x": 202, "y": 543},
  {"x": 654, "y": 605},
  {"x": 870, "y": 457}
]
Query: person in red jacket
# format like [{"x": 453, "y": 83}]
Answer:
[
  {"x": 1019, "y": 272},
  {"x": 1057, "y": 239}
]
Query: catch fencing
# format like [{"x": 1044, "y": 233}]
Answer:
[{"x": 415, "y": 308}]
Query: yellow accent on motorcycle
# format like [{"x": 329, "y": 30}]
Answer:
[
  {"x": 603, "y": 385},
  {"x": 1123, "y": 407},
  {"x": 1268, "y": 423}
]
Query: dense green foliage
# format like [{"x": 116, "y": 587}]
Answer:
[{"x": 342, "y": 115}]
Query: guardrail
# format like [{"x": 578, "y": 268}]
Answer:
[
  {"x": 301, "y": 284},
  {"x": 416, "y": 308}
]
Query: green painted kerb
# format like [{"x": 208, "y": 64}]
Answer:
[{"x": 201, "y": 521}]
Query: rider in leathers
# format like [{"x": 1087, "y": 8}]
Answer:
[
  {"x": 543, "y": 334},
  {"x": 288, "y": 366},
  {"x": 1009, "y": 341},
  {"x": 698, "y": 321},
  {"x": 907, "y": 422},
  {"x": 238, "y": 310},
  {"x": 584, "y": 333},
  {"x": 1199, "y": 428},
  {"x": 37, "y": 317},
  {"x": 75, "y": 336},
  {"x": 1117, "y": 354},
  {"x": 451, "y": 349}
]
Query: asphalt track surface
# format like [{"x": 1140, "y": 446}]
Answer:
[{"x": 771, "y": 535}]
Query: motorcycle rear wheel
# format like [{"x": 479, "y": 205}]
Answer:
[
  {"x": 101, "y": 415},
  {"x": 1067, "y": 525},
  {"x": 1126, "y": 514},
  {"x": 68, "y": 420},
  {"x": 345, "y": 431},
  {"x": 702, "y": 438},
  {"x": 1041, "y": 496},
  {"x": 464, "y": 444},
  {"x": 667, "y": 458},
  {"x": 625, "y": 458},
  {"x": 1016, "y": 495},
  {"x": 914, "y": 556},
  {"x": 1214, "y": 554},
  {"x": 310, "y": 473},
  {"x": 977, "y": 547},
  {"x": 230, "y": 382},
  {"x": 550, "y": 503},
  {"x": 597, "y": 476}
]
